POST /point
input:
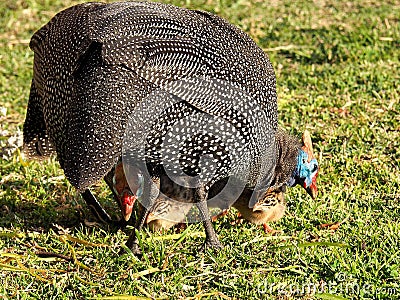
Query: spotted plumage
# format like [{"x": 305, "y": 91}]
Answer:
[
  {"x": 292, "y": 168},
  {"x": 179, "y": 85},
  {"x": 94, "y": 62}
]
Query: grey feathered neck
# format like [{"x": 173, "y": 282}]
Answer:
[{"x": 287, "y": 150}]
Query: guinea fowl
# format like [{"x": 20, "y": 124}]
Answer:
[
  {"x": 168, "y": 210},
  {"x": 116, "y": 78}
]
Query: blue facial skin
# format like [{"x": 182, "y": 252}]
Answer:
[{"x": 305, "y": 171}]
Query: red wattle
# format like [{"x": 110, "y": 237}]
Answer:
[{"x": 128, "y": 199}]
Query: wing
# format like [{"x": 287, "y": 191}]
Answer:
[
  {"x": 100, "y": 60},
  {"x": 165, "y": 44},
  {"x": 36, "y": 140},
  {"x": 108, "y": 82},
  {"x": 104, "y": 97},
  {"x": 197, "y": 57},
  {"x": 160, "y": 43}
]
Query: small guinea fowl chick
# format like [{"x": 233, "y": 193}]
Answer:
[
  {"x": 170, "y": 208},
  {"x": 269, "y": 209},
  {"x": 166, "y": 213}
]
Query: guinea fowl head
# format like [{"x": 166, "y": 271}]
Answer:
[
  {"x": 306, "y": 171},
  {"x": 126, "y": 196}
]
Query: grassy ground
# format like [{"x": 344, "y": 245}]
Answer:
[{"x": 337, "y": 65}]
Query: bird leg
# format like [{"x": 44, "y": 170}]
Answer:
[
  {"x": 151, "y": 190},
  {"x": 268, "y": 229},
  {"x": 96, "y": 207},
  {"x": 211, "y": 237}
]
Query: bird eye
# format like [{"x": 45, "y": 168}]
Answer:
[
  {"x": 315, "y": 168},
  {"x": 304, "y": 161}
]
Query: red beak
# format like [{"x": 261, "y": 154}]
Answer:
[
  {"x": 127, "y": 202},
  {"x": 312, "y": 189}
]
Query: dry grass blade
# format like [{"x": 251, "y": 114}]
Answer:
[
  {"x": 201, "y": 275},
  {"x": 7, "y": 267},
  {"x": 294, "y": 268},
  {"x": 145, "y": 272},
  {"x": 12, "y": 235},
  {"x": 143, "y": 291},
  {"x": 12, "y": 255},
  {"x": 80, "y": 241},
  {"x": 326, "y": 296},
  {"x": 285, "y": 48},
  {"x": 212, "y": 294},
  {"x": 33, "y": 271},
  {"x": 123, "y": 297},
  {"x": 176, "y": 236},
  {"x": 304, "y": 245},
  {"x": 80, "y": 264},
  {"x": 85, "y": 281}
]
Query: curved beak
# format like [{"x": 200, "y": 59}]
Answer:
[
  {"x": 312, "y": 189},
  {"x": 257, "y": 207},
  {"x": 127, "y": 202}
]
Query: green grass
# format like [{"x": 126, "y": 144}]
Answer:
[{"x": 337, "y": 66}]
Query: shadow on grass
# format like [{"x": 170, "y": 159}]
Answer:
[
  {"x": 38, "y": 216},
  {"x": 323, "y": 45},
  {"x": 32, "y": 208}
]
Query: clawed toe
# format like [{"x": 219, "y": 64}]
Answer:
[
  {"x": 134, "y": 248},
  {"x": 269, "y": 230},
  {"x": 212, "y": 244}
]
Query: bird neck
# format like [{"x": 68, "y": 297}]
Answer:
[
  {"x": 296, "y": 173},
  {"x": 287, "y": 154}
]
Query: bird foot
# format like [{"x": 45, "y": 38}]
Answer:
[
  {"x": 211, "y": 244},
  {"x": 268, "y": 229},
  {"x": 135, "y": 248}
]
